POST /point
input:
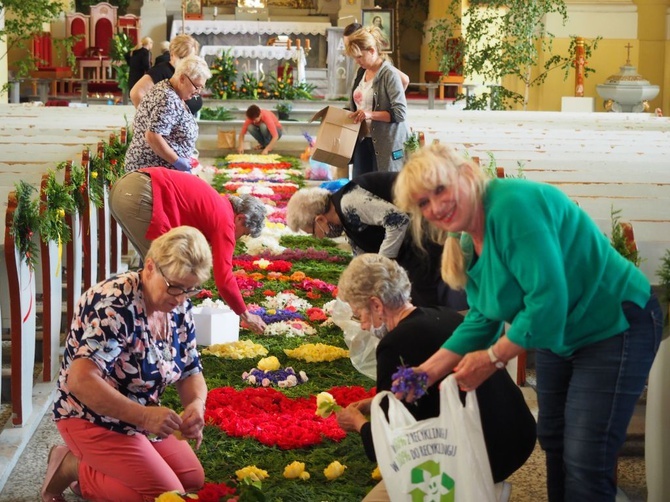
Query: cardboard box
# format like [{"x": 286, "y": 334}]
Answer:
[
  {"x": 336, "y": 138},
  {"x": 215, "y": 325}
]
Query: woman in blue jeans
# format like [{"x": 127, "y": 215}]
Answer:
[{"x": 529, "y": 256}]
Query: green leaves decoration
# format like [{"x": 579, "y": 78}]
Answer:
[
  {"x": 59, "y": 202},
  {"x": 26, "y": 222}
]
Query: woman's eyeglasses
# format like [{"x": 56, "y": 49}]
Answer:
[
  {"x": 173, "y": 290},
  {"x": 198, "y": 89}
]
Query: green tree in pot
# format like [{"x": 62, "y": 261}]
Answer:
[
  {"x": 120, "y": 52},
  {"x": 22, "y": 19},
  {"x": 504, "y": 40}
]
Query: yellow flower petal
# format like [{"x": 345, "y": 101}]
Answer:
[
  {"x": 252, "y": 472},
  {"x": 334, "y": 470},
  {"x": 269, "y": 364},
  {"x": 294, "y": 470}
]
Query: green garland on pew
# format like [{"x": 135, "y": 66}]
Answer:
[
  {"x": 78, "y": 184},
  {"x": 97, "y": 179},
  {"x": 26, "y": 222},
  {"x": 59, "y": 202},
  {"x": 115, "y": 154}
]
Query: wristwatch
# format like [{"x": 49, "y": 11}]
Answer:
[{"x": 494, "y": 359}]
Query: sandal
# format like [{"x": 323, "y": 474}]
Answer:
[{"x": 75, "y": 488}]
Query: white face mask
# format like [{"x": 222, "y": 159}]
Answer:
[{"x": 380, "y": 331}]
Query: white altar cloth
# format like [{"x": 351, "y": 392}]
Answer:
[
  {"x": 258, "y": 52},
  {"x": 208, "y": 27}
]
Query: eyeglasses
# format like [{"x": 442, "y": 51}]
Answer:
[
  {"x": 177, "y": 290},
  {"x": 198, "y": 89},
  {"x": 315, "y": 224}
]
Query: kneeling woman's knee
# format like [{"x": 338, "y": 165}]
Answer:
[{"x": 193, "y": 479}]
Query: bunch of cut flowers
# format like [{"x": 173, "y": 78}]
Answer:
[{"x": 269, "y": 372}]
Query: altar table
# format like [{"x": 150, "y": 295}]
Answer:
[
  {"x": 259, "y": 52},
  {"x": 208, "y": 27}
]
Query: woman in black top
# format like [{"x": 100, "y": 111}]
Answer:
[
  {"x": 139, "y": 61},
  {"x": 181, "y": 47},
  {"x": 363, "y": 209},
  {"x": 378, "y": 292}
]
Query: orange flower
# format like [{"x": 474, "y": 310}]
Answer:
[
  {"x": 269, "y": 292},
  {"x": 298, "y": 276}
]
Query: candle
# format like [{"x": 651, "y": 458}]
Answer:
[
  {"x": 297, "y": 43},
  {"x": 288, "y": 43},
  {"x": 216, "y": 11},
  {"x": 307, "y": 44}
]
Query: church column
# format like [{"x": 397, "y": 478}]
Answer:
[{"x": 652, "y": 37}]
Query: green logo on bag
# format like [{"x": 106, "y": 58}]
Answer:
[{"x": 432, "y": 485}]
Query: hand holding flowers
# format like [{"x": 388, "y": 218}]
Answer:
[
  {"x": 409, "y": 384},
  {"x": 326, "y": 405}
]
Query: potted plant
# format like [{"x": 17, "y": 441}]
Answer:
[
  {"x": 284, "y": 109},
  {"x": 514, "y": 30}
]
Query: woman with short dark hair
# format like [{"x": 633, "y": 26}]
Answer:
[{"x": 149, "y": 202}]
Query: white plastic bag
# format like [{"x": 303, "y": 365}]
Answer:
[
  {"x": 438, "y": 459},
  {"x": 362, "y": 345}
]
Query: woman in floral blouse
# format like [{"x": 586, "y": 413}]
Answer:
[
  {"x": 363, "y": 209},
  {"x": 131, "y": 336},
  {"x": 164, "y": 130}
]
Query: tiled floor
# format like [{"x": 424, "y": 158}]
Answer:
[{"x": 527, "y": 484}]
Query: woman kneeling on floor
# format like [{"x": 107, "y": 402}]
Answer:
[{"x": 131, "y": 336}]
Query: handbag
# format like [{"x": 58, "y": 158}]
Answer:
[
  {"x": 226, "y": 139},
  {"x": 442, "y": 458}
]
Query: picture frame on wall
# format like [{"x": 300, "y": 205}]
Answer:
[
  {"x": 192, "y": 9},
  {"x": 382, "y": 19}
]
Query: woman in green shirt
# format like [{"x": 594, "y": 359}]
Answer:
[{"x": 527, "y": 255}]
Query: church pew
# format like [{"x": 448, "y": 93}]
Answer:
[
  {"x": 21, "y": 282},
  {"x": 50, "y": 269},
  {"x": 48, "y": 282},
  {"x": 28, "y": 156}
]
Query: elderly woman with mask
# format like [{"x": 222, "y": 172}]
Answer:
[
  {"x": 132, "y": 335},
  {"x": 164, "y": 130},
  {"x": 364, "y": 210},
  {"x": 378, "y": 291}
]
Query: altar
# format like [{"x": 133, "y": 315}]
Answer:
[
  {"x": 239, "y": 27},
  {"x": 239, "y": 33},
  {"x": 253, "y": 55}
]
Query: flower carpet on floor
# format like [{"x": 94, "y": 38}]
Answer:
[{"x": 263, "y": 439}]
